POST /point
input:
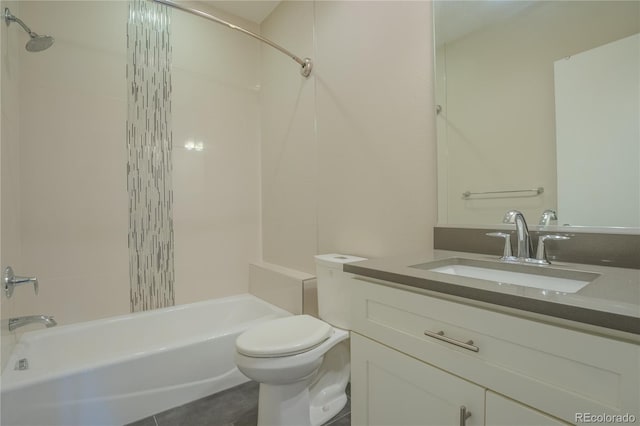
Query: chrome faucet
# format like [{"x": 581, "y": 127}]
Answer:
[
  {"x": 48, "y": 321},
  {"x": 522, "y": 233},
  {"x": 547, "y": 216}
]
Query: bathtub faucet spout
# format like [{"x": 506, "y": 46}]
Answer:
[{"x": 48, "y": 321}]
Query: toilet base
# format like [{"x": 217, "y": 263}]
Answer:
[
  {"x": 284, "y": 405},
  {"x": 289, "y": 405},
  {"x": 320, "y": 414},
  {"x": 313, "y": 400},
  {"x": 327, "y": 391}
]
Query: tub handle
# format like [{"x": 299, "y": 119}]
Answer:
[{"x": 11, "y": 281}]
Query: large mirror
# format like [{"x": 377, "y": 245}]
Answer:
[{"x": 538, "y": 108}]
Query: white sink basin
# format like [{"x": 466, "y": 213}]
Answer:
[{"x": 560, "y": 280}]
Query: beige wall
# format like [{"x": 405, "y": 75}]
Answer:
[
  {"x": 348, "y": 160},
  {"x": 216, "y": 76},
  {"x": 346, "y": 163},
  {"x": 73, "y": 161},
  {"x": 64, "y": 191},
  {"x": 498, "y": 105},
  {"x": 10, "y": 243},
  {"x": 289, "y": 147}
]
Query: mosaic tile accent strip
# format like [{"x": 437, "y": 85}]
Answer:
[{"x": 149, "y": 163}]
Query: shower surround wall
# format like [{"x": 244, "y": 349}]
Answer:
[
  {"x": 65, "y": 203},
  {"x": 72, "y": 162},
  {"x": 10, "y": 243},
  {"x": 347, "y": 161},
  {"x": 149, "y": 163},
  {"x": 348, "y": 155}
]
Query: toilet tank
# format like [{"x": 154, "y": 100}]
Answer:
[{"x": 334, "y": 291}]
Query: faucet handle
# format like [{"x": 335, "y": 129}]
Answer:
[
  {"x": 541, "y": 252},
  {"x": 547, "y": 216},
  {"x": 11, "y": 280},
  {"x": 506, "y": 252}
]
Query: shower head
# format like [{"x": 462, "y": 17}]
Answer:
[{"x": 37, "y": 42}]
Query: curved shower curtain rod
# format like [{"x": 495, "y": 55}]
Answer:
[{"x": 305, "y": 63}]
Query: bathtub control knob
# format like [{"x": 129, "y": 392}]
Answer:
[{"x": 11, "y": 280}]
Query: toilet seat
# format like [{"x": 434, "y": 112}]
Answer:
[{"x": 284, "y": 337}]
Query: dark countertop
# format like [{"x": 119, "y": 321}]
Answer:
[{"x": 609, "y": 305}]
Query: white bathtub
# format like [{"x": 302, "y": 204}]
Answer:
[{"x": 121, "y": 369}]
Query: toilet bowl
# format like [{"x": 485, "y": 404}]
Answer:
[{"x": 302, "y": 362}]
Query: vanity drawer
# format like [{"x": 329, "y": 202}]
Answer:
[{"x": 552, "y": 368}]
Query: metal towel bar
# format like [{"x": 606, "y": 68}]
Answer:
[{"x": 534, "y": 192}]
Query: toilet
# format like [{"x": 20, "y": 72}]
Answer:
[{"x": 301, "y": 362}]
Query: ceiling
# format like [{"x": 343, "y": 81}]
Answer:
[
  {"x": 455, "y": 19},
  {"x": 251, "y": 10}
]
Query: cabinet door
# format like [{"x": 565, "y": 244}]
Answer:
[
  {"x": 391, "y": 388},
  {"x": 502, "y": 411}
]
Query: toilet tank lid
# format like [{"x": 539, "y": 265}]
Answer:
[
  {"x": 335, "y": 260},
  {"x": 283, "y": 337}
]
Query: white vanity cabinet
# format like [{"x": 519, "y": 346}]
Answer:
[
  {"x": 391, "y": 388},
  {"x": 502, "y": 411},
  {"x": 417, "y": 359}
]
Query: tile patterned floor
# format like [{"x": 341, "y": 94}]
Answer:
[{"x": 237, "y": 406}]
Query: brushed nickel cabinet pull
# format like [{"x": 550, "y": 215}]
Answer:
[
  {"x": 464, "y": 415},
  {"x": 440, "y": 336}
]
